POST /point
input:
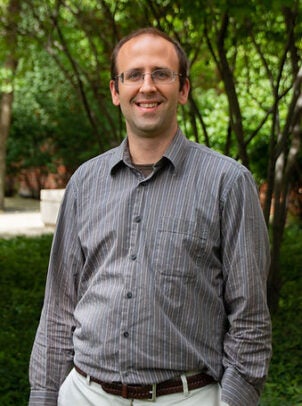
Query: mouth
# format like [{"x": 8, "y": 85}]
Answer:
[{"x": 148, "y": 105}]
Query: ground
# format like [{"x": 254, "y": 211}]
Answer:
[{"x": 22, "y": 217}]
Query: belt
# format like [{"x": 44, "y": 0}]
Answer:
[{"x": 150, "y": 391}]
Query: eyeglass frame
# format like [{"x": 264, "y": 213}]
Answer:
[{"x": 143, "y": 74}]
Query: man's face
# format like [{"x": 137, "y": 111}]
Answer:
[{"x": 150, "y": 109}]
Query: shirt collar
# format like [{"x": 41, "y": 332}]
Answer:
[
  {"x": 177, "y": 150},
  {"x": 175, "y": 153},
  {"x": 120, "y": 156}
]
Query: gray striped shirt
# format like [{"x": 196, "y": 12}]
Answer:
[{"x": 149, "y": 277}]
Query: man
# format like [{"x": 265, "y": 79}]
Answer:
[{"x": 156, "y": 287}]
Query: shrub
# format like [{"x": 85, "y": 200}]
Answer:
[{"x": 23, "y": 264}]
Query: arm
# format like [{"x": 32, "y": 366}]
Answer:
[
  {"x": 52, "y": 354},
  {"x": 245, "y": 255}
]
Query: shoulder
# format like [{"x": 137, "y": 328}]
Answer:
[
  {"x": 213, "y": 161},
  {"x": 97, "y": 165},
  {"x": 92, "y": 172},
  {"x": 217, "y": 171}
]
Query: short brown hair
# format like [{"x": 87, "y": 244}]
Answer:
[{"x": 182, "y": 57}]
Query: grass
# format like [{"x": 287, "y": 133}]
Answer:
[{"x": 23, "y": 266}]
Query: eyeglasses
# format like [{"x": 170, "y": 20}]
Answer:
[{"x": 161, "y": 76}]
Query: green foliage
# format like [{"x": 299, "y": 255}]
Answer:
[
  {"x": 284, "y": 384},
  {"x": 23, "y": 264},
  {"x": 62, "y": 99},
  {"x": 213, "y": 106},
  {"x": 49, "y": 124}
]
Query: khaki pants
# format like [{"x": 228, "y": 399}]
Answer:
[{"x": 77, "y": 391}]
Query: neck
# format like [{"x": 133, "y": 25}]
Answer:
[{"x": 147, "y": 150}]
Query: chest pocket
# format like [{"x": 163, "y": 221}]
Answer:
[{"x": 180, "y": 248}]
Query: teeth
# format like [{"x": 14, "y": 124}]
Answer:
[{"x": 148, "y": 105}]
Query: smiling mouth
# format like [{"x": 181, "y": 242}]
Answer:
[{"x": 148, "y": 105}]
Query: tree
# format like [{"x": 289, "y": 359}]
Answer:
[
  {"x": 50, "y": 128},
  {"x": 8, "y": 71},
  {"x": 80, "y": 40}
]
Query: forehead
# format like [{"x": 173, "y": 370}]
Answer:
[{"x": 147, "y": 51}]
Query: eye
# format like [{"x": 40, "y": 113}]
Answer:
[
  {"x": 133, "y": 75},
  {"x": 162, "y": 75}
]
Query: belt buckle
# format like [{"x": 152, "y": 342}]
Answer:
[{"x": 153, "y": 393}]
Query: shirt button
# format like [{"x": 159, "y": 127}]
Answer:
[
  {"x": 133, "y": 257},
  {"x": 138, "y": 219},
  {"x": 129, "y": 295},
  {"x": 126, "y": 334}
]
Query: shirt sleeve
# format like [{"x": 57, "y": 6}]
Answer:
[
  {"x": 246, "y": 260},
  {"x": 52, "y": 354}
]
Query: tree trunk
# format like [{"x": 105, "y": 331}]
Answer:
[
  {"x": 283, "y": 171},
  {"x": 6, "y": 103},
  {"x": 5, "y": 119},
  {"x": 230, "y": 89}
]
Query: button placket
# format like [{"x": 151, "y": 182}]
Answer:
[{"x": 128, "y": 312}]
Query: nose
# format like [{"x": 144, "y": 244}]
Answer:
[{"x": 148, "y": 83}]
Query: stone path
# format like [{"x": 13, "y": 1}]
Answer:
[{"x": 22, "y": 217}]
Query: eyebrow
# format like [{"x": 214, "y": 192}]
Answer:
[{"x": 152, "y": 69}]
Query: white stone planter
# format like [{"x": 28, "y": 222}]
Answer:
[{"x": 50, "y": 202}]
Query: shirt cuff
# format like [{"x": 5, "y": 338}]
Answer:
[
  {"x": 43, "y": 398},
  {"x": 236, "y": 391}
]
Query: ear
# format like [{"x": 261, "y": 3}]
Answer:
[
  {"x": 114, "y": 93},
  {"x": 184, "y": 92}
]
